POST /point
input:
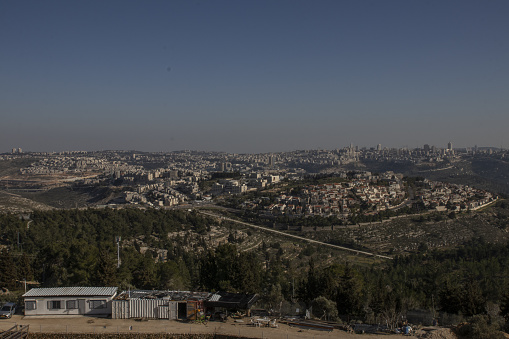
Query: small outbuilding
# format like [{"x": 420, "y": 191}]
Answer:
[
  {"x": 94, "y": 301},
  {"x": 182, "y": 305},
  {"x": 171, "y": 305},
  {"x": 231, "y": 301}
]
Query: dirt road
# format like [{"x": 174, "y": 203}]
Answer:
[{"x": 243, "y": 329}]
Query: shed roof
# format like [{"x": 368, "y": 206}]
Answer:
[
  {"x": 71, "y": 291},
  {"x": 169, "y": 295},
  {"x": 231, "y": 300}
]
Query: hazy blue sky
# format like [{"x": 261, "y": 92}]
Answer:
[{"x": 252, "y": 76}]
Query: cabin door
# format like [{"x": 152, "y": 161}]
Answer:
[
  {"x": 81, "y": 306},
  {"x": 182, "y": 311}
]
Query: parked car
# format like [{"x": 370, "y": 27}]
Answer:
[{"x": 7, "y": 310}]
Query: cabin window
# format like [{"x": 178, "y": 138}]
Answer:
[
  {"x": 54, "y": 305},
  {"x": 94, "y": 304},
  {"x": 30, "y": 305},
  {"x": 71, "y": 304}
]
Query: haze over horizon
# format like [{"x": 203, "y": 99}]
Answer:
[{"x": 252, "y": 76}]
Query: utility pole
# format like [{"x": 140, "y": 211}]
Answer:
[
  {"x": 293, "y": 289},
  {"x": 117, "y": 239}
]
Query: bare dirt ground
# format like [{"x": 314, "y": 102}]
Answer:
[{"x": 101, "y": 325}]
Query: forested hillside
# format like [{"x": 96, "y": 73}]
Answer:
[{"x": 77, "y": 247}]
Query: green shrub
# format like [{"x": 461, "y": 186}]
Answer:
[{"x": 480, "y": 327}]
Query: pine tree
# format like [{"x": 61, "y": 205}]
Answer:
[
  {"x": 106, "y": 270},
  {"x": 504, "y": 306},
  {"x": 349, "y": 297},
  {"x": 473, "y": 301},
  {"x": 451, "y": 298},
  {"x": 7, "y": 270},
  {"x": 25, "y": 271},
  {"x": 312, "y": 286},
  {"x": 145, "y": 273}
]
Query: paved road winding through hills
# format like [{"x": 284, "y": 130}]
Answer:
[{"x": 294, "y": 236}]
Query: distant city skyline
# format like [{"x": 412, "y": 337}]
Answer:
[
  {"x": 252, "y": 76},
  {"x": 378, "y": 147}
]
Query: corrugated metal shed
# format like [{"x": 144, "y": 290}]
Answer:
[
  {"x": 120, "y": 309},
  {"x": 71, "y": 291},
  {"x": 144, "y": 308},
  {"x": 154, "y": 304}
]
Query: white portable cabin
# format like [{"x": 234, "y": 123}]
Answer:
[{"x": 94, "y": 301}]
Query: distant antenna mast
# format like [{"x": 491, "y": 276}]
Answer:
[{"x": 117, "y": 239}]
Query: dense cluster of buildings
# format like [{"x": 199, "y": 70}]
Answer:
[
  {"x": 444, "y": 196},
  {"x": 168, "y": 179},
  {"x": 366, "y": 193},
  {"x": 377, "y": 192}
]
